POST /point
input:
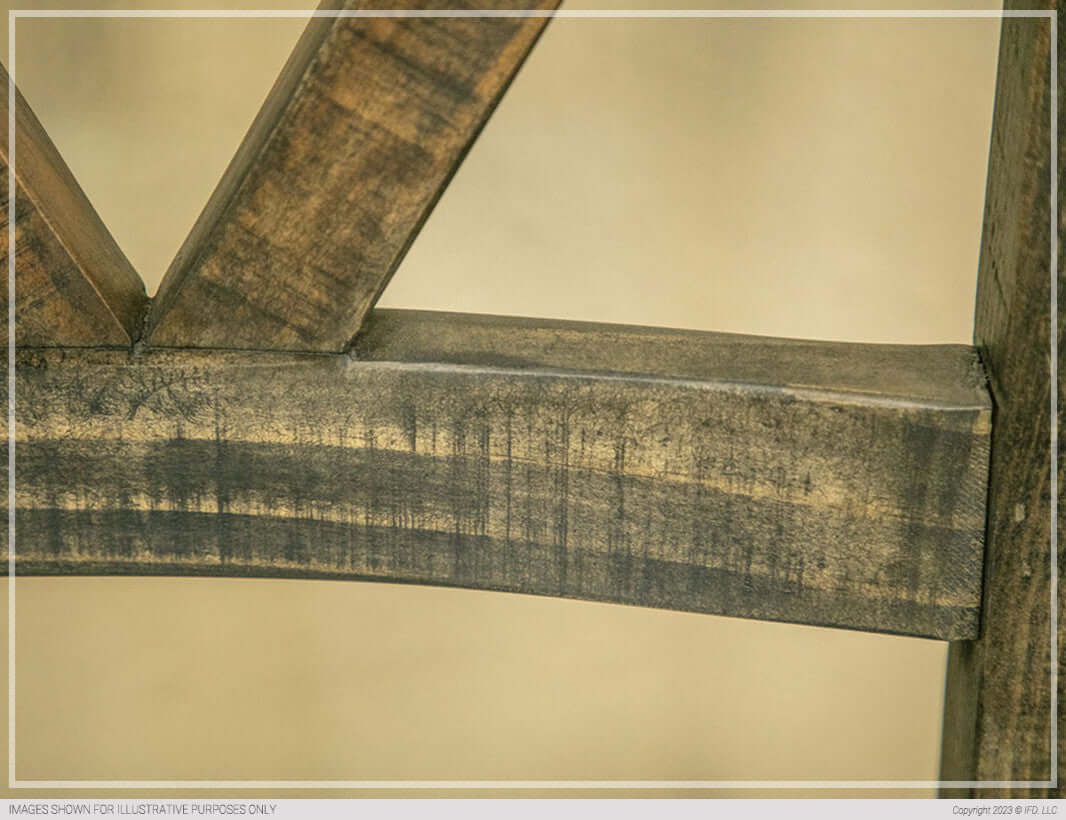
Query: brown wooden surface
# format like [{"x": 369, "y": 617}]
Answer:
[
  {"x": 357, "y": 140},
  {"x": 997, "y": 723},
  {"x": 73, "y": 285},
  {"x": 817, "y": 483}
]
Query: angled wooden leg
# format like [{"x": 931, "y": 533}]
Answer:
[
  {"x": 363, "y": 130},
  {"x": 74, "y": 286},
  {"x": 998, "y": 710}
]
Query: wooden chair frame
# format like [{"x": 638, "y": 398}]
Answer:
[{"x": 258, "y": 418}]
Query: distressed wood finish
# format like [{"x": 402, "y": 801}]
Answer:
[
  {"x": 997, "y": 724},
  {"x": 818, "y": 483},
  {"x": 363, "y": 130},
  {"x": 73, "y": 285}
]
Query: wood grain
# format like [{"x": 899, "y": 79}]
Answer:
[
  {"x": 817, "y": 483},
  {"x": 997, "y": 723},
  {"x": 73, "y": 285},
  {"x": 363, "y": 130}
]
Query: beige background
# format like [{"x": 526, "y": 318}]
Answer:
[{"x": 802, "y": 178}]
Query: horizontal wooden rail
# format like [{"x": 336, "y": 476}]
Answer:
[{"x": 811, "y": 482}]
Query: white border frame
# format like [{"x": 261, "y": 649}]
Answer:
[{"x": 892, "y": 14}]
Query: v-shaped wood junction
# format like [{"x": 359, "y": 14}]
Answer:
[{"x": 258, "y": 419}]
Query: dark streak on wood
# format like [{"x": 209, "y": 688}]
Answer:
[
  {"x": 356, "y": 142},
  {"x": 997, "y": 718},
  {"x": 73, "y": 285},
  {"x": 818, "y": 483}
]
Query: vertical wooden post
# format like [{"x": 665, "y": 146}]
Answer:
[{"x": 999, "y": 698}]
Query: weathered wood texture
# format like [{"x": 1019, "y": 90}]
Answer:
[
  {"x": 997, "y": 724},
  {"x": 810, "y": 482},
  {"x": 363, "y": 130},
  {"x": 73, "y": 285}
]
